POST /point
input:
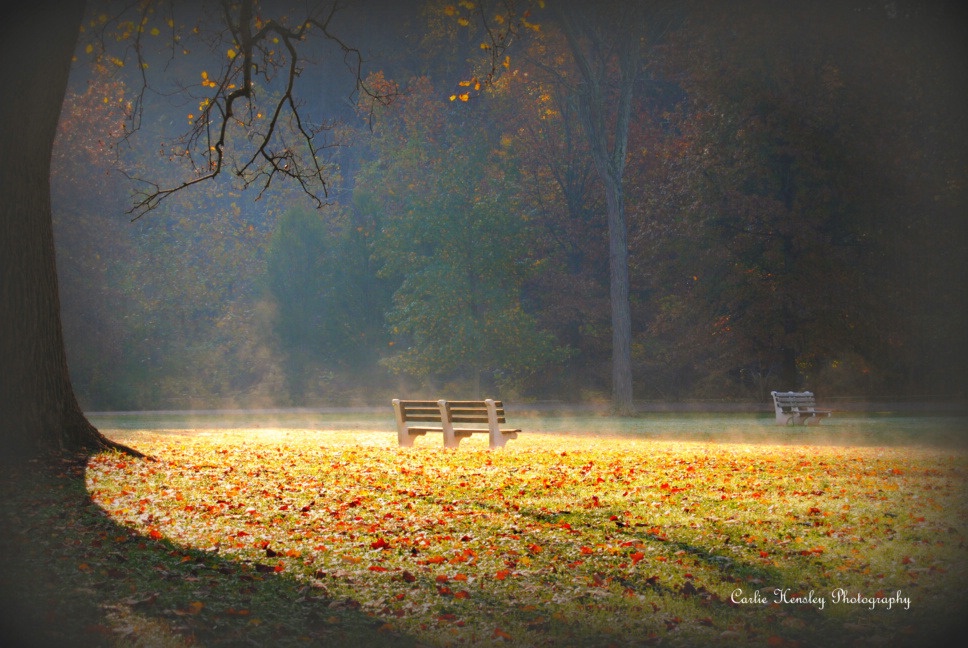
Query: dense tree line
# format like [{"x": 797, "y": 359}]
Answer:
[{"x": 792, "y": 189}]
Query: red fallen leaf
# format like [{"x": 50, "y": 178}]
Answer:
[
  {"x": 637, "y": 556},
  {"x": 233, "y": 612},
  {"x": 764, "y": 554},
  {"x": 447, "y": 617},
  {"x": 444, "y": 591},
  {"x": 587, "y": 550},
  {"x": 379, "y": 544},
  {"x": 463, "y": 594},
  {"x": 281, "y": 567},
  {"x": 155, "y": 534},
  {"x": 534, "y": 548},
  {"x": 435, "y": 560},
  {"x": 408, "y": 577},
  {"x": 377, "y": 568},
  {"x": 500, "y": 634},
  {"x": 502, "y": 574},
  {"x": 442, "y": 579}
]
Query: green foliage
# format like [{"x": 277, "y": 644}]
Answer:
[
  {"x": 452, "y": 229},
  {"x": 794, "y": 200},
  {"x": 327, "y": 303}
]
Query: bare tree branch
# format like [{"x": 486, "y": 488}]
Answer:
[{"x": 249, "y": 114}]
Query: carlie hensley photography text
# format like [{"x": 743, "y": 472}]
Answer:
[{"x": 838, "y": 596}]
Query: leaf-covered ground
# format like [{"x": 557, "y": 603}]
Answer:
[{"x": 333, "y": 538}]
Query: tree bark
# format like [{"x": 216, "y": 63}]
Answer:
[
  {"x": 607, "y": 130},
  {"x": 40, "y": 412}
]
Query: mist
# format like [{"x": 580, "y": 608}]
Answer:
[{"x": 794, "y": 203}]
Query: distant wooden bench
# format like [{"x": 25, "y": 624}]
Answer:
[
  {"x": 470, "y": 417},
  {"x": 797, "y": 407}
]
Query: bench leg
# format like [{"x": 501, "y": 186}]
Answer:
[
  {"x": 496, "y": 438},
  {"x": 451, "y": 440},
  {"x": 404, "y": 438}
]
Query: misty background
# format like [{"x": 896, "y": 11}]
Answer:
[{"x": 795, "y": 197}]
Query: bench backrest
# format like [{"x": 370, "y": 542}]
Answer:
[
  {"x": 426, "y": 411},
  {"x": 785, "y": 401},
  {"x": 419, "y": 411},
  {"x": 473, "y": 411}
]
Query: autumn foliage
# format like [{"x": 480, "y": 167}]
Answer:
[{"x": 560, "y": 540}]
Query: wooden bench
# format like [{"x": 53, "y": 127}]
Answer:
[
  {"x": 471, "y": 417},
  {"x": 797, "y": 407}
]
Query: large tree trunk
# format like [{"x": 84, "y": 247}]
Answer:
[
  {"x": 606, "y": 127},
  {"x": 618, "y": 266},
  {"x": 40, "y": 414}
]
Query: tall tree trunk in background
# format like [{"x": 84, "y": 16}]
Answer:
[
  {"x": 606, "y": 126},
  {"x": 40, "y": 414}
]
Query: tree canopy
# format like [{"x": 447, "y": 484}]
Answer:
[{"x": 791, "y": 199}]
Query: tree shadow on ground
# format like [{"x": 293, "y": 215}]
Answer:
[{"x": 70, "y": 576}]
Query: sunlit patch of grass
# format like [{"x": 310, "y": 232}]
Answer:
[{"x": 555, "y": 540}]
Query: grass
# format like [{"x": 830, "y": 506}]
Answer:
[{"x": 294, "y": 537}]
